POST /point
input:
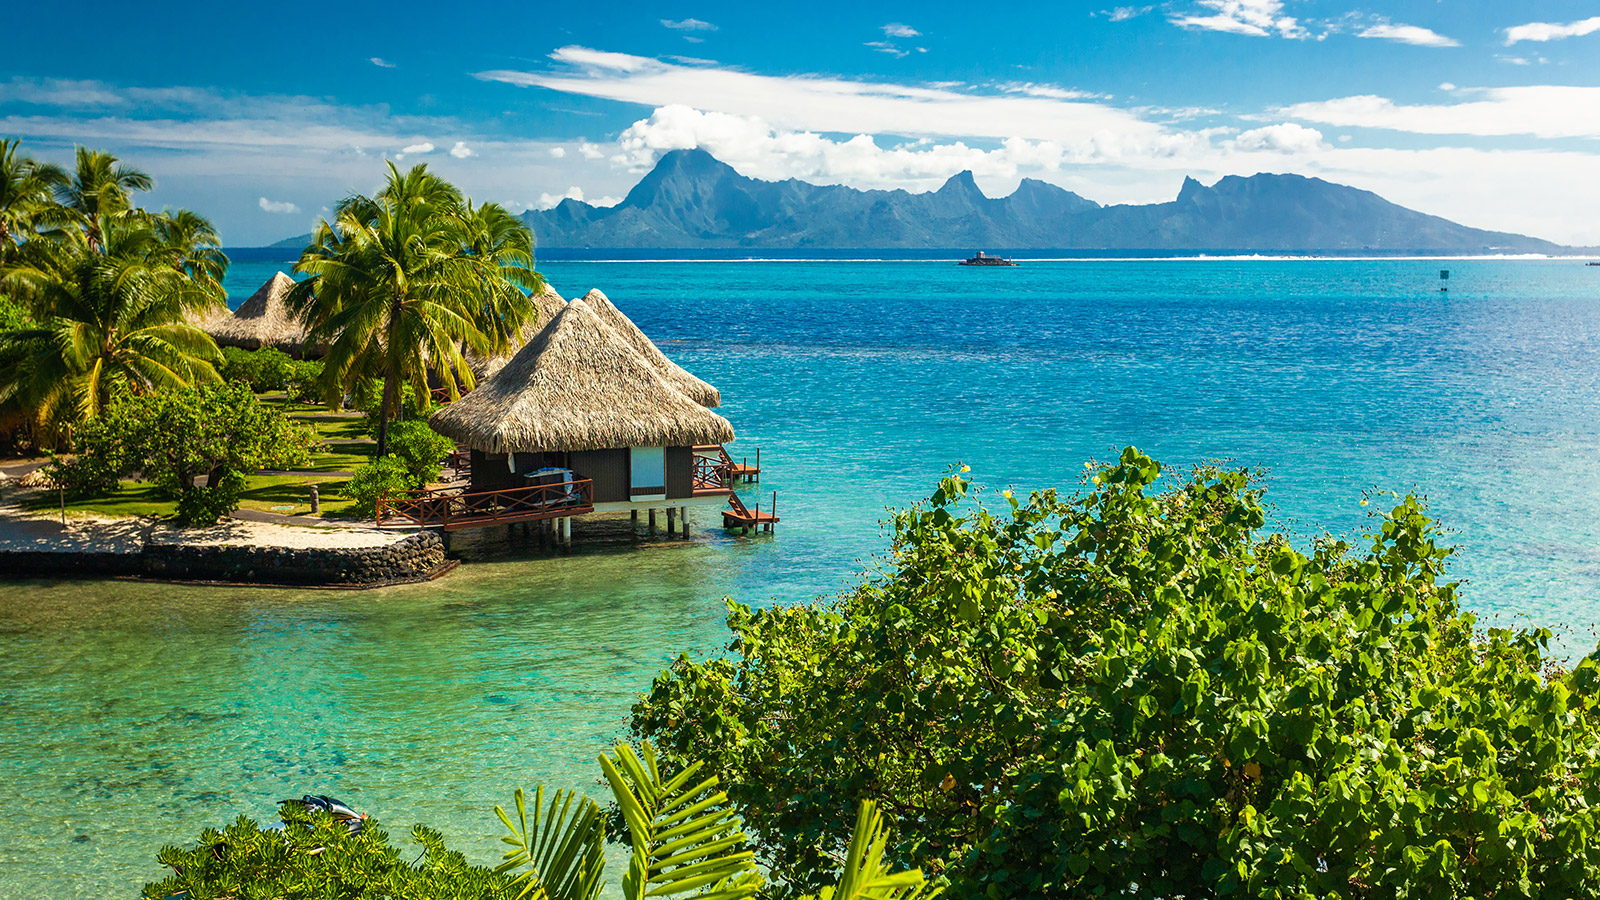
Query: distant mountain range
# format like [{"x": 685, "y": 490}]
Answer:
[{"x": 691, "y": 200}]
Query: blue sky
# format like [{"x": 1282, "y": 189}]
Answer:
[{"x": 262, "y": 116}]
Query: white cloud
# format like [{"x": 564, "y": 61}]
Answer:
[
  {"x": 1256, "y": 18},
  {"x": 548, "y": 200},
  {"x": 1415, "y": 35},
  {"x": 461, "y": 150},
  {"x": 839, "y": 105},
  {"x": 558, "y": 152},
  {"x": 1283, "y": 138},
  {"x": 590, "y": 151},
  {"x": 1049, "y": 90},
  {"x": 1546, "y": 111},
  {"x": 887, "y": 47},
  {"x": 689, "y": 25},
  {"x": 1551, "y": 31},
  {"x": 897, "y": 30},
  {"x": 381, "y": 63},
  {"x": 1124, "y": 13},
  {"x": 1446, "y": 86},
  {"x": 423, "y": 147},
  {"x": 278, "y": 206}
]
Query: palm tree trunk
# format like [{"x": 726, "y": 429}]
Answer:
[{"x": 389, "y": 378}]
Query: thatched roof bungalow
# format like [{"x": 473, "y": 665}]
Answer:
[
  {"x": 697, "y": 390},
  {"x": 580, "y": 397},
  {"x": 545, "y": 306},
  {"x": 263, "y": 320}
]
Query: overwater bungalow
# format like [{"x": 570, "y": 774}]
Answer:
[
  {"x": 263, "y": 320},
  {"x": 580, "y": 420}
]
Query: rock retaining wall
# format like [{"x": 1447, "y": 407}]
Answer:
[{"x": 414, "y": 558}]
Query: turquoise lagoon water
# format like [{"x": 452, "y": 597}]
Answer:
[{"x": 133, "y": 714}]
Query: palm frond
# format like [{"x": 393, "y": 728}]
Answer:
[{"x": 560, "y": 858}]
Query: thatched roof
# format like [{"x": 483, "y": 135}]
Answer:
[
  {"x": 545, "y": 307},
  {"x": 697, "y": 390},
  {"x": 264, "y": 320},
  {"x": 577, "y": 385}
]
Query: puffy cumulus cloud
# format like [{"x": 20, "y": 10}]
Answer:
[
  {"x": 1551, "y": 31},
  {"x": 1256, "y": 18},
  {"x": 558, "y": 152},
  {"x": 1546, "y": 111},
  {"x": 546, "y": 201},
  {"x": 1286, "y": 137},
  {"x": 414, "y": 150},
  {"x": 278, "y": 206},
  {"x": 1414, "y": 35},
  {"x": 897, "y": 30},
  {"x": 590, "y": 151},
  {"x": 461, "y": 150}
]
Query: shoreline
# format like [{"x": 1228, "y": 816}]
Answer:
[{"x": 234, "y": 552}]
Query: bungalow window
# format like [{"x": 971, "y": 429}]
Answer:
[{"x": 648, "y": 473}]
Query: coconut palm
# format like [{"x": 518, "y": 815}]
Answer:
[
  {"x": 99, "y": 188},
  {"x": 114, "y": 322},
  {"x": 501, "y": 247},
  {"x": 397, "y": 292},
  {"x": 26, "y": 200},
  {"x": 191, "y": 243}
]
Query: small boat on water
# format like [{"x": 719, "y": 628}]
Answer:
[{"x": 982, "y": 260}]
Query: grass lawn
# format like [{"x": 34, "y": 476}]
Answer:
[{"x": 288, "y": 495}]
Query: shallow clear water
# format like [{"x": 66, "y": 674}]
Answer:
[{"x": 133, "y": 714}]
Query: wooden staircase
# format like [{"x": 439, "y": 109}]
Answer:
[
  {"x": 740, "y": 516},
  {"x": 716, "y": 471}
]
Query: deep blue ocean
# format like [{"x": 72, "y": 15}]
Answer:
[{"x": 134, "y": 713}]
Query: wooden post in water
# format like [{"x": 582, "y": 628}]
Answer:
[
  {"x": 683, "y": 516},
  {"x": 758, "y": 464},
  {"x": 774, "y": 510},
  {"x": 652, "y": 520},
  {"x": 672, "y": 517},
  {"x": 633, "y": 517}
]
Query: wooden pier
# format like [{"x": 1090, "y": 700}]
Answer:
[
  {"x": 740, "y": 516},
  {"x": 736, "y": 471}
]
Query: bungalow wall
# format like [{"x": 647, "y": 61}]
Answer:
[{"x": 609, "y": 470}]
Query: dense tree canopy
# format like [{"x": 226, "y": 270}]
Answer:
[
  {"x": 1138, "y": 693},
  {"x": 403, "y": 281}
]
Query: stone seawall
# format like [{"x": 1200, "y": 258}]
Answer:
[{"x": 415, "y": 557}]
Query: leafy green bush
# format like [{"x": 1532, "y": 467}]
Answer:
[
  {"x": 419, "y": 448},
  {"x": 304, "y": 384},
  {"x": 267, "y": 369},
  {"x": 221, "y": 431},
  {"x": 96, "y": 468},
  {"x": 372, "y": 482},
  {"x": 315, "y": 857},
  {"x": 1137, "y": 693},
  {"x": 368, "y": 398}
]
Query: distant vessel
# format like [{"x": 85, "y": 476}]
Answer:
[{"x": 981, "y": 260}]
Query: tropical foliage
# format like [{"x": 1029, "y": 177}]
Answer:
[
  {"x": 683, "y": 840},
  {"x": 217, "y": 433},
  {"x": 1139, "y": 693},
  {"x": 109, "y": 290},
  {"x": 403, "y": 283}
]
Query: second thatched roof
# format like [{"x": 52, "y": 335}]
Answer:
[
  {"x": 264, "y": 320},
  {"x": 699, "y": 391},
  {"x": 578, "y": 385}
]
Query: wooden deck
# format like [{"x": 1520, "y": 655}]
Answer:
[
  {"x": 453, "y": 510},
  {"x": 737, "y": 515}
]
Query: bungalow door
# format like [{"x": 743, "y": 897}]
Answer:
[{"x": 648, "y": 473}]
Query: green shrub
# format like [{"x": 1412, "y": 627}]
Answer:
[
  {"x": 217, "y": 430},
  {"x": 267, "y": 369},
  {"x": 304, "y": 384},
  {"x": 377, "y": 479},
  {"x": 315, "y": 857},
  {"x": 420, "y": 449},
  {"x": 1137, "y": 693},
  {"x": 368, "y": 397}
]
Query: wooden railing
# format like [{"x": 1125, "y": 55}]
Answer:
[
  {"x": 711, "y": 473},
  {"x": 451, "y": 510}
]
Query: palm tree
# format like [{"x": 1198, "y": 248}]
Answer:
[
  {"x": 192, "y": 244},
  {"x": 113, "y": 323},
  {"x": 396, "y": 290},
  {"x": 98, "y": 189},
  {"x": 26, "y": 201}
]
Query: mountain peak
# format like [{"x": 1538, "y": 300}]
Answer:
[
  {"x": 1191, "y": 190},
  {"x": 677, "y": 173},
  {"x": 961, "y": 182}
]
